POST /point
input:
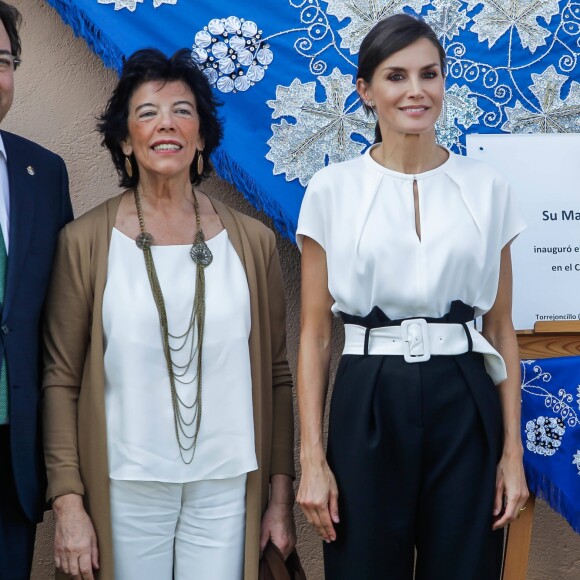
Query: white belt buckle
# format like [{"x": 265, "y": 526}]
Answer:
[{"x": 415, "y": 333}]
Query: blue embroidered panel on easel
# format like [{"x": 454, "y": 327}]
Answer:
[{"x": 551, "y": 432}]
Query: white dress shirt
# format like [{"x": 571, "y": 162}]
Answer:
[{"x": 4, "y": 194}]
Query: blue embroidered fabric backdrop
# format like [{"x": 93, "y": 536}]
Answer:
[
  {"x": 285, "y": 70},
  {"x": 551, "y": 432}
]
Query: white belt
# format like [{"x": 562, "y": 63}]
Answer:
[{"x": 418, "y": 340}]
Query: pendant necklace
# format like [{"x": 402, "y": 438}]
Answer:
[{"x": 186, "y": 431}]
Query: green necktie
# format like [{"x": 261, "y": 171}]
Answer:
[{"x": 3, "y": 375}]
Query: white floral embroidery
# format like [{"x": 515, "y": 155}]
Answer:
[
  {"x": 364, "y": 14},
  {"x": 459, "y": 107},
  {"x": 317, "y": 37},
  {"x": 555, "y": 115},
  {"x": 499, "y": 16},
  {"x": 132, "y": 4},
  {"x": 488, "y": 91},
  {"x": 544, "y": 435},
  {"x": 322, "y": 130},
  {"x": 561, "y": 404},
  {"x": 231, "y": 53},
  {"x": 576, "y": 460},
  {"x": 447, "y": 18}
]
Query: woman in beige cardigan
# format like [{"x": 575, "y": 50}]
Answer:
[{"x": 160, "y": 126}]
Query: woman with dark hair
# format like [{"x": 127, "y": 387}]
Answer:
[
  {"x": 408, "y": 244},
  {"x": 167, "y": 394}
]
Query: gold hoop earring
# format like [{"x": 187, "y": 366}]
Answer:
[
  {"x": 199, "y": 162},
  {"x": 128, "y": 166}
]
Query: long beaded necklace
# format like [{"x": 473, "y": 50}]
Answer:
[{"x": 202, "y": 257}]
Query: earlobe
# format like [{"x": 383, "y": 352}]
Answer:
[
  {"x": 362, "y": 89},
  {"x": 126, "y": 148}
]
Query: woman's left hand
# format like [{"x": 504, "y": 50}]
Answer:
[
  {"x": 278, "y": 528},
  {"x": 278, "y": 519},
  {"x": 511, "y": 490}
]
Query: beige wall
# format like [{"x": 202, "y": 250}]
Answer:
[{"x": 60, "y": 89}]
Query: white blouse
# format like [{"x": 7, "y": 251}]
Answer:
[
  {"x": 363, "y": 215},
  {"x": 140, "y": 429}
]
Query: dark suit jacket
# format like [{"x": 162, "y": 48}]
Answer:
[{"x": 39, "y": 207}]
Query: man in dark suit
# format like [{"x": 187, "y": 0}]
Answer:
[{"x": 34, "y": 206}]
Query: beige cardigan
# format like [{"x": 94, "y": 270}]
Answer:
[{"x": 73, "y": 384}]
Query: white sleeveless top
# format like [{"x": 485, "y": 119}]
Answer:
[
  {"x": 363, "y": 215},
  {"x": 140, "y": 428}
]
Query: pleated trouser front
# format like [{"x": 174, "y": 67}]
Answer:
[
  {"x": 179, "y": 531},
  {"x": 414, "y": 448}
]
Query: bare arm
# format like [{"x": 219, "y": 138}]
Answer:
[
  {"x": 511, "y": 488},
  {"x": 317, "y": 494}
]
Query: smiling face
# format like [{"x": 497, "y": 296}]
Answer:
[
  {"x": 163, "y": 129},
  {"x": 407, "y": 89}
]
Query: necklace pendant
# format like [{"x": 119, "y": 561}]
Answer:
[
  {"x": 144, "y": 240},
  {"x": 201, "y": 254}
]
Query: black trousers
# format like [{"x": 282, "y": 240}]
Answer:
[
  {"x": 16, "y": 531},
  {"x": 414, "y": 448}
]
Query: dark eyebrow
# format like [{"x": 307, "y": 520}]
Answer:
[
  {"x": 190, "y": 103},
  {"x": 401, "y": 69},
  {"x": 144, "y": 105},
  {"x": 3, "y": 51},
  {"x": 152, "y": 105}
]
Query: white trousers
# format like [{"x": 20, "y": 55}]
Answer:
[{"x": 179, "y": 531}]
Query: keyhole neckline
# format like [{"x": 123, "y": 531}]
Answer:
[{"x": 409, "y": 176}]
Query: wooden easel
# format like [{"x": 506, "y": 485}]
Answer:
[{"x": 548, "y": 339}]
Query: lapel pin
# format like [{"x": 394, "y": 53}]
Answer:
[{"x": 30, "y": 170}]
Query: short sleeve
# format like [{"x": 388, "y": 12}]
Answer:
[
  {"x": 512, "y": 220},
  {"x": 312, "y": 218}
]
